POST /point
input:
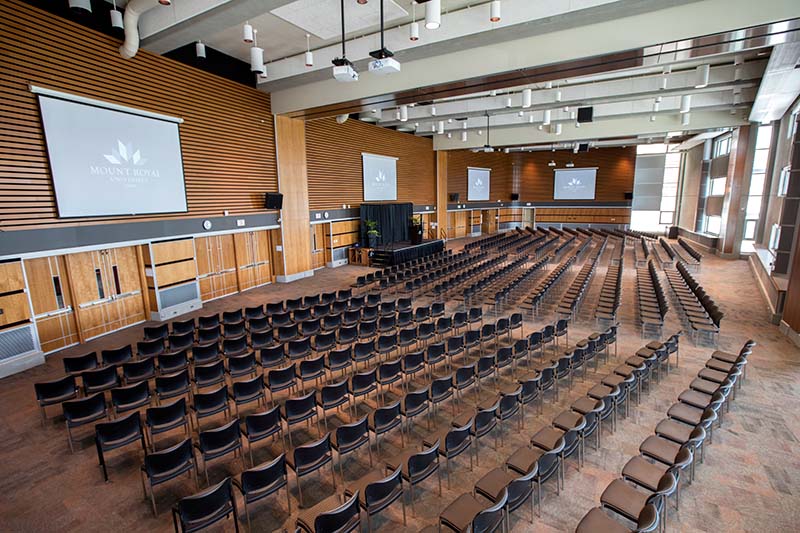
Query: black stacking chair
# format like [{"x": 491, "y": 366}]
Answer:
[
  {"x": 531, "y": 391},
  {"x": 234, "y": 329},
  {"x": 299, "y": 409},
  {"x": 146, "y": 349},
  {"x": 501, "y": 327},
  {"x": 169, "y": 363},
  {"x": 136, "y": 371},
  {"x": 260, "y": 325},
  {"x": 455, "y": 348},
  {"x": 509, "y": 406},
  {"x": 309, "y": 458},
  {"x": 275, "y": 308},
  {"x": 299, "y": 349},
  {"x": 453, "y": 442},
  {"x": 288, "y": 333},
  {"x": 99, "y": 380},
  {"x": 262, "y": 481},
  {"x": 377, "y": 492},
  {"x": 218, "y": 442},
  {"x": 437, "y": 310},
  {"x": 388, "y": 373},
  {"x": 232, "y": 317},
  {"x": 260, "y": 426},
  {"x": 367, "y": 329},
  {"x": 242, "y": 365},
  {"x": 208, "y": 335},
  {"x": 347, "y": 335},
  {"x": 562, "y": 330},
  {"x": 208, "y": 375},
  {"x": 362, "y": 384},
  {"x": 208, "y": 321},
  {"x": 273, "y": 356},
  {"x": 251, "y": 390},
  {"x": 387, "y": 344},
  {"x": 405, "y": 319},
  {"x": 339, "y": 360},
  {"x": 373, "y": 299},
  {"x": 412, "y": 363},
  {"x": 116, "y": 434},
  {"x": 203, "y": 354},
  {"x": 415, "y": 403},
  {"x": 416, "y": 467},
  {"x": 173, "y": 385},
  {"x": 201, "y": 510},
  {"x": 260, "y": 340},
  {"x": 83, "y": 411},
  {"x": 464, "y": 378},
  {"x": 55, "y": 392},
  {"x": 487, "y": 335},
  {"x": 363, "y": 352},
  {"x": 472, "y": 338},
  {"x": 387, "y": 324},
  {"x": 321, "y": 310},
  {"x": 117, "y": 356},
  {"x": 332, "y": 396},
  {"x": 384, "y": 419},
  {"x": 310, "y": 327},
  {"x": 160, "y": 467},
  {"x": 351, "y": 317},
  {"x": 312, "y": 369},
  {"x": 426, "y": 331},
  {"x": 234, "y": 346},
  {"x": 254, "y": 312},
  {"x": 467, "y": 513},
  {"x": 281, "y": 379},
  {"x": 179, "y": 327},
  {"x": 323, "y": 342},
  {"x": 331, "y": 515},
  {"x": 422, "y": 314},
  {"x": 130, "y": 397},
  {"x": 332, "y": 322},
  {"x": 441, "y": 390},
  {"x": 80, "y": 363},
  {"x": 165, "y": 418},
  {"x": 156, "y": 333},
  {"x": 283, "y": 320},
  {"x": 434, "y": 354},
  {"x": 210, "y": 403},
  {"x": 301, "y": 315},
  {"x": 348, "y": 438},
  {"x": 515, "y": 322},
  {"x": 475, "y": 316},
  {"x": 444, "y": 326},
  {"x": 176, "y": 343}
]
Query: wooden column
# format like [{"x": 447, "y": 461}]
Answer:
[
  {"x": 736, "y": 191},
  {"x": 441, "y": 194},
  {"x": 290, "y": 141}
]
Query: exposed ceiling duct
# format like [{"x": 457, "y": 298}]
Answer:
[{"x": 134, "y": 10}]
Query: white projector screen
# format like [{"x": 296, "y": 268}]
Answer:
[
  {"x": 106, "y": 162},
  {"x": 478, "y": 179},
  {"x": 380, "y": 177},
  {"x": 574, "y": 183}
]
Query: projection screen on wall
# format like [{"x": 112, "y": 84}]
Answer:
[
  {"x": 478, "y": 179},
  {"x": 574, "y": 183},
  {"x": 110, "y": 162},
  {"x": 380, "y": 177}
]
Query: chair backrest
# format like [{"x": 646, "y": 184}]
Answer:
[
  {"x": 264, "y": 475},
  {"x": 206, "y": 507},
  {"x": 247, "y": 388},
  {"x": 180, "y": 327},
  {"x": 117, "y": 356},
  {"x": 378, "y": 491},
  {"x": 312, "y": 452},
  {"x": 491, "y": 518},
  {"x": 150, "y": 348},
  {"x": 221, "y": 437},
  {"x": 208, "y": 321},
  {"x": 349, "y": 433},
  {"x": 163, "y": 461},
  {"x": 99, "y": 376},
  {"x": 205, "y": 353},
  {"x": 209, "y": 400},
  {"x": 363, "y": 380},
  {"x": 281, "y": 376},
  {"x": 56, "y": 388},
  {"x": 119, "y": 428},
  {"x": 456, "y": 436},
  {"x": 80, "y": 363},
  {"x": 209, "y": 373},
  {"x": 421, "y": 462},
  {"x": 342, "y": 519},
  {"x": 387, "y": 414},
  {"x": 131, "y": 393}
]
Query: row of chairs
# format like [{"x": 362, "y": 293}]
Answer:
[
  {"x": 641, "y": 496},
  {"x": 610, "y": 296},
  {"x": 441, "y": 290},
  {"x": 429, "y": 280},
  {"x": 424, "y": 279},
  {"x": 573, "y": 296},
  {"x": 515, "y": 288},
  {"x": 689, "y": 254},
  {"x": 652, "y": 303},
  {"x": 492, "y": 280},
  {"x": 553, "y": 280},
  {"x": 430, "y": 261},
  {"x": 700, "y": 313}
]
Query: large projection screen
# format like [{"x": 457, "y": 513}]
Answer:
[
  {"x": 478, "y": 179},
  {"x": 574, "y": 183},
  {"x": 380, "y": 177},
  {"x": 108, "y": 162}
]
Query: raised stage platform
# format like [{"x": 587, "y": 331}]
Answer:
[{"x": 400, "y": 252}]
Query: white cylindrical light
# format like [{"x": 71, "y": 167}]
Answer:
[
  {"x": 403, "y": 113},
  {"x": 200, "y": 50},
  {"x": 440, "y": 127},
  {"x": 116, "y": 20},
  {"x": 572, "y": 115},
  {"x": 413, "y": 31},
  {"x": 449, "y": 135},
  {"x": 702, "y": 76},
  {"x": 558, "y": 129},
  {"x": 494, "y": 11},
  {"x": 256, "y": 59},
  {"x": 577, "y": 124},
  {"x": 263, "y": 74},
  {"x": 527, "y": 98},
  {"x": 81, "y": 6},
  {"x": 433, "y": 110},
  {"x": 686, "y": 103},
  {"x": 165, "y": 2},
  {"x": 463, "y": 136},
  {"x": 433, "y": 14},
  {"x": 656, "y": 105},
  {"x": 652, "y": 118},
  {"x": 247, "y": 33},
  {"x": 530, "y": 118},
  {"x": 508, "y": 102},
  {"x": 558, "y": 96},
  {"x": 309, "y": 59},
  {"x": 686, "y": 119},
  {"x": 547, "y": 115}
]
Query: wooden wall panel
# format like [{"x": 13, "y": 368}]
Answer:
[
  {"x": 587, "y": 215},
  {"x": 216, "y": 266},
  {"x": 228, "y": 141},
  {"x": 500, "y": 181},
  {"x": 334, "y": 162},
  {"x": 11, "y": 277},
  {"x": 54, "y": 316},
  {"x": 253, "y": 259}
]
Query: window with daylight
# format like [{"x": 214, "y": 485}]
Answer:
[
  {"x": 717, "y": 186},
  {"x": 669, "y": 190},
  {"x": 755, "y": 195},
  {"x": 713, "y": 225},
  {"x": 722, "y": 146}
]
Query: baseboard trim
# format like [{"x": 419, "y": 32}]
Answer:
[
  {"x": 20, "y": 363},
  {"x": 294, "y": 277},
  {"x": 787, "y": 330}
]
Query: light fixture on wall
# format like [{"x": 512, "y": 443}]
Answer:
[
  {"x": 80, "y": 6},
  {"x": 551, "y": 163},
  {"x": 558, "y": 95},
  {"x": 547, "y": 116},
  {"x": 116, "y": 17},
  {"x": 558, "y": 129},
  {"x": 702, "y": 76},
  {"x": 247, "y": 33},
  {"x": 433, "y": 110},
  {"x": 433, "y": 14},
  {"x": 570, "y": 164},
  {"x": 686, "y": 103},
  {"x": 652, "y": 118},
  {"x": 686, "y": 119},
  {"x": 440, "y": 127},
  {"x": 509, "y": 103},
  {"x": 413, "y": 28},
  {"x": 463, "y": 136},
  {"x": 403, "y": 113},
  {"x": 494, "y": 11},
  {"x": 256, "y": 56},
  {"x": 200, "y": 50},
  {"x": 449, "y": 135},
  {"x": 656, "y": 105},
  {"x": 527, "y": 98},
  {"x": 530, "y": 118},
  {"x": 665, "y": 78},
  {"x": 309, "y": 61}
]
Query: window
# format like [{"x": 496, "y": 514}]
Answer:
[
  {"x": 666, "y": 217},
  {"x": 756, "y": 192},
  {"x": 58, "y": 292},
  {"x": 117, "y": 285},
  {"x": 98, "y": 276},
  {"x": 750, "y": 229},
  {"x": 669, "y": 188},
  {"x": 646, "y": 149},
  {"x": 722, "y": 146},
  {"x": 717, "y": 186},
  {"x": 713, "y": 225}
]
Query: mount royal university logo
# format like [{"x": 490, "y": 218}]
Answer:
[{"x": 125, "y": 165}]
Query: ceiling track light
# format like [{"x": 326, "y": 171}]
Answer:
[
  {"x": 570, "y": 164},
  {"x": 247, "y": 33},
  {"x": 547, "y": 116},
  {"x": 81, "y": 6},
  {"x": 551, "y": 163},
  {"x": 256, "y": 56},
  {"x": 403, "y": 113},
  {"x": 527, "y": 98},
  {"x": 200, "y": 50},
  {"x": 433, "y": 14},
  {"x": 433, "y": 110},
  {"x": 463, "y": 136},
  {"x": 702, "y": 76},
  {"x": 686, "y": 103},
  {"x": 494, "y": 11},
  {"x": 440, "y": 127},
  {"x": 116, "y": 17},
  {"x": 309, "y": 60},
  {"x": 558, "y": 129},
  {"x": 413, "y": 29},
  {"x": 686, "y": 119},
  {"x": 508, "y": 102},
  {"x": 165, "y": 2},
  {"x": 652, "y": 118}
]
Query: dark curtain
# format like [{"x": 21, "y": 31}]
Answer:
[{"x": 393, "y": 221}]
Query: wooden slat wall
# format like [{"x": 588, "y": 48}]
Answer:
[
  {"x": 227, "y": 138},
  {"x": 13, "y": 300},
  {"x": 334, "y": 162},
  {"x": 500, "y": 181},
  {"x": 611, "y": 215}
]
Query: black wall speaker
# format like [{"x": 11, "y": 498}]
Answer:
[
  {"x": 629, "y": 196},
  {"x": 585, "y": 114},
  {"x": 273, "y": 200},
  {"x": 514, "y": 197},
  {"x": 583, "y": 147},
  {"x": 453, "y": 197}
]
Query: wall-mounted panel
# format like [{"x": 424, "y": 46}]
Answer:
[{"x": 52, "y": 302}]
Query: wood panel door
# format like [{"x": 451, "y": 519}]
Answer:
[
  {"x": 320, "y": 252},
  {"x": 253, "y": 264},
  {"x": 54, "y": 314},
  {"x": 216, "y": 266},
  {"x": 106, "y": 290},
  {"x": 489, "y": 221}
]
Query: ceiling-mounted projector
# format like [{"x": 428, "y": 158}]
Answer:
[
  {"x": 343, "y": 70},
  {"x": 383, "y": 66}
]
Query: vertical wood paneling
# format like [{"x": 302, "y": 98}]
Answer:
[
  {"x": 440, "y": 220},
  {"x": 56, "y": 330},
  {"x": 334, "y": 162},
  {"x": 228, "y": 142},
  {"x": 500, "y": 179}
]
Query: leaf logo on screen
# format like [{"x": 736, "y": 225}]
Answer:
[
  {"x": 381, "y": 177},
  {"x": 574, "y": 184},
  {"x": 478, "y": 182},
  {"x": 125, "y": 165}
]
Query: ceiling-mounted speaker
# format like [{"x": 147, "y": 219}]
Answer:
[
  {"x": 273, "y": 200},
  {"x": 514, "y": 196},
  {"x": 585, "y": 114},
  {"x": 583, "y": 147}
]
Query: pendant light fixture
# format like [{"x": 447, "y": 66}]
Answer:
[
  {"x": 403, "y": 113},
  {"x": 200, "y": 50},
  {"x": 247, "y": 32},
  {"x": 527, "y": 98},
  {"x": 686, "y": 119},
  {"x": 343, "y": 70},
  {"x": 116, "y": 17},
  {"x": 309, "y": 53},
  {"x": 547, "y": 116},
  {"x": 488, "y": 146},
  {"x": 440, "y": 127},
  {"x": 494, "y": 11},
  {"x": 413, "y": 29},
  {"x": 165, "y": 2},
  {"x": 256, "y": 56},
  {"x": 82, "y": 7},
  {"x": 686, "y": 103},
  {"x": 433, "y": 14},
  {"x": 702, "y": 76},
  {"x": 463, "y": 136}
]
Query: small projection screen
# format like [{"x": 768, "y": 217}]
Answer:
[
  {"x": 380, "y": 177},
  {"x": 478, "y": 179},
  {"x": 574, "y": 183},
  {"x": 111, "y": 162}
]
